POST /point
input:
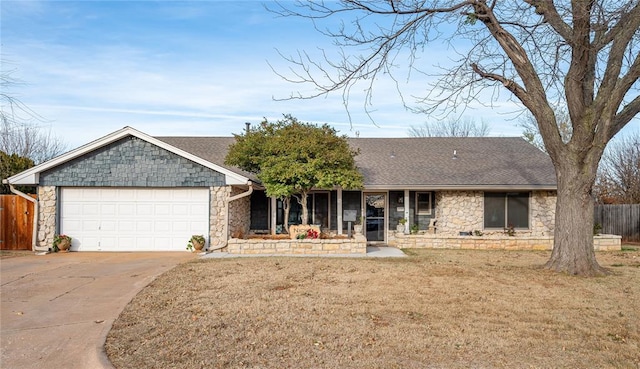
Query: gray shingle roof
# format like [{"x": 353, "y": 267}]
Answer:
[{"x": 482, "y": 162}]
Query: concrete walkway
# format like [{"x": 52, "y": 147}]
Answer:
[
  {"x": 57, "y": 309},
  {"x": 372, "y": 252}
]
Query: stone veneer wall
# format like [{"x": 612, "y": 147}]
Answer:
[
  {"x": 604, "y": 242},
  {"x": 47, "y": 200},
  {"x": 458, "y": 211},
  {"x": 217, "y": 215},
  {"x": 543, "y": 213},
  {"x": 238, "y": 217},
  {"x": 239, "y": 214},
  {"x": 356, "y": 245}
]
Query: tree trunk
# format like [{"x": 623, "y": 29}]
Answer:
[
  {"x": 573, "y": 251},
  {"x": 305, "y": 210},
  {"x": 286, "y": 205}
]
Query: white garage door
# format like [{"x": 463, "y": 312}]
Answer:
[{"x": 133, "y": 219}]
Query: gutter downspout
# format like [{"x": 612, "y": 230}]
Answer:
[
  {"x": 226, "y": 205},
  {"x": 34, "y": 234}
]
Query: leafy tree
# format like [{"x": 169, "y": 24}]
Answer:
[
  {"x": 466, "y": 127},
  {"x": 582, "y": 54},
  {"x": 291, "y": 158},
  {"x": 13, "y": 164}
]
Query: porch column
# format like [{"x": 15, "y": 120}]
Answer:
[
  {"x": 339, "y": 209},
  {"x": 274, "y": 214},
  {"x": 407, "y": 211}
]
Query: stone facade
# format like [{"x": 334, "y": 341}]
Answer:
[
  {"x": 239, "y": 214},
  {"x": 47, "y": 201},
  {"x": 218, "y": 216},
  {"x": 425, "y": 241},
  {"x": 458, "y": 211},
  {"x": 356, "y": 245},
  {"x": 543, "y": 213},
  {"x": 131, "y": 162}
]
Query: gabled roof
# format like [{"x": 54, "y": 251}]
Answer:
[
  {"x": 31, "y": 176},
  {"x": 490, "y": 163},
  {"x": 429, "y": 163},
  {"x": 424, "y": 163}
]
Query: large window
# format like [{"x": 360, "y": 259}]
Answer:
[{"x": 506, "y": 209}]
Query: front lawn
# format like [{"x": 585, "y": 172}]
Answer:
[{"x": 434, "y": 309}]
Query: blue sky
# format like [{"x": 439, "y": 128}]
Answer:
[{"x": 186, "y": 68}]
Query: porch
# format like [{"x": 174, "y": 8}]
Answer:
[
  {"x": 436, "y": 213},
  {"x": 344, "y": 213}
]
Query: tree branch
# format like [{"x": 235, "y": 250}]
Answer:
[
  {"x": 630, "y": 19},
  {"x": 534, "y": 97},
  {"x": 551, "y": 16},
  {"x": 627, "y": 113}
]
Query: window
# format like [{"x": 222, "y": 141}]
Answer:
[
  {"x": 504, "y": 209},
  {"x": 423, "y": 203},
  {"x": 317, "y": 207}
]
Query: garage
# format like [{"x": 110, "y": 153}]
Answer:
[
  {"x": 128, "y": 191},
  {"x": 133, "y": 219}
]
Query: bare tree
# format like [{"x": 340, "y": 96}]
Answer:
[
  {"x": 619, "y": 173},
  {"x": 21, "y": 130},
  {"x": 532, "y": 134},
  {"x": 582, "y": 54},
  {"x": 465, "y": 127}
]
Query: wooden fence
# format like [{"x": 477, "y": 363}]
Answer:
[
  {"x": 623, "y": 220},
  {"x": 16, "y": 223}
]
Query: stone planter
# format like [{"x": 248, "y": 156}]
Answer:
[
  {"x": 357, "y": 229},
  {"x": 400, "y": 228}
]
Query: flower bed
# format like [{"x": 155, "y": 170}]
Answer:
[{"x": 318, "y": 246}]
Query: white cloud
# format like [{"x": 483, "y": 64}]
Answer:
[{"x": 205, "y": 80}]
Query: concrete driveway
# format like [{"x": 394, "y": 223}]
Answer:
[{"x": 57, "y": 309}]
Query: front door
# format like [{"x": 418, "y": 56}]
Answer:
[{"x": 375, "y": 208}]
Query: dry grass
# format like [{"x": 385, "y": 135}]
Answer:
[
  {"x": 435, "y": 309},
  {"x": 6, "y": 254}
]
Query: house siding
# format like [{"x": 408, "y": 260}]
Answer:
[{"x": 131, "y": 162}]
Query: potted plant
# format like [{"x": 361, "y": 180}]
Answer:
[
  {"x": 196, "y": 243},
  {"x": 597, "y": 229},
  {"x": 61, "y": 242},
  {"x": 400, "y": 226},
  {"x": 510, "y": 230},
  {"x": 414, "y": 228},
  {"x": 357, "y": 227}
]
